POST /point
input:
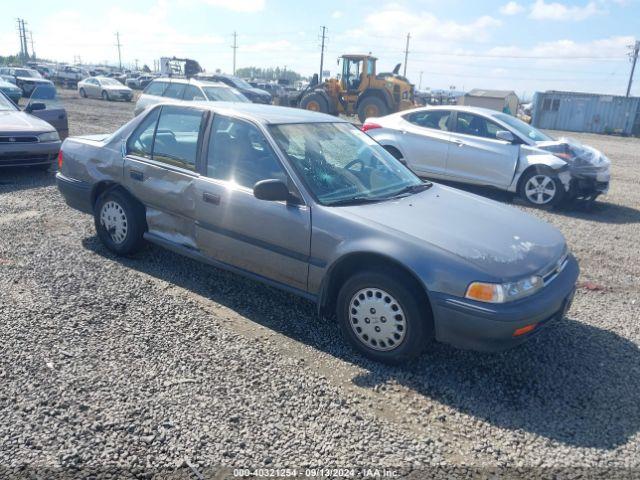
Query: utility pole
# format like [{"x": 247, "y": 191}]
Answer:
[
  {"x": 118, "y": 44},
  {"x": 24, "y": 52},
  {"x": 634, "y": 59},
  {"x": 33, "y": 52},
  {"x": 406, "y": 55},
  {"x": 136, "y": 64},
  {"x": 235, "y": 48},
  {"x": 324, "y": 35},
  {"x": 420, "y": 84},
  {"x": 21, "y": 42}
]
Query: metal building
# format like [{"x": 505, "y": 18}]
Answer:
[
  {"x": 586, "y": 112},
  {"x": 500, "y": 100}
]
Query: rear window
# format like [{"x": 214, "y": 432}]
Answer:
[{"x": 156, "y": 88}]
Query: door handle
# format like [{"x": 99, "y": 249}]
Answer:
[
  {"x": 459, "y": 143},
  {"x": 211, "y": 198},
  {"x": 136, "y": 175}
]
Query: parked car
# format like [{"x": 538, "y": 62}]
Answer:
[
  {"x": 485, "y": 147},
  {"x": 139, "y": 82},
  {"x": 105, "y": 88},
  {"x": 188, "y": 90},
  {"x": 308, "y": 203},
  {"x": 25, "y": 140},
  {"x": 45, "y": 105},
  {"x": 255, "y": 95},
  {"x": 10, "y": 90},
  {"x": 26, "y": 79},
  {"x": 69, "y": 76}
]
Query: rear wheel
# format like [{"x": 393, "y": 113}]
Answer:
[
  {"x": 371, "y": 107},
  {"x": 315, "y": 102},
  {"x": 120, "y": 222},
  {"x": 541, "y": 187},
  {"x": 105, "y": 95},
  {"x": 383, "y": 316}
]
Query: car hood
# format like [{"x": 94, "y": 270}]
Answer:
[
  {"x": 575, "y": 153},
  {"x": 500, "y": 240},
  {"x": 33, "y": 79},
  {"x": 257, "y": 91},
  {"x": 13, "y": 122}
]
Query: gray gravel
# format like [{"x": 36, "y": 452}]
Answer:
[{"x": 132, "y": 367}]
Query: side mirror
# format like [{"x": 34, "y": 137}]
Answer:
[
  {"x": 271, "y": 190},
  {"x": 32, "y": 107},
  {"x": 505, "y": 135}
]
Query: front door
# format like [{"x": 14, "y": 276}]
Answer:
[
  {"x": 160, "y": 170},
  {"x": 477, "y": 156},
  {"x": 269, "y": 239}
]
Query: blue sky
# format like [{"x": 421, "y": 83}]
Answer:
[{"x": 524, "y": 45}]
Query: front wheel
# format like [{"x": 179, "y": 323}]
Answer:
[
  {"x": 120, "y": 222},
  {"x": 105, "y": 95},
  {"x": 542, "y": 188},
  {"x": 384, "y": 316},
  {"x": 315, "y": 102},
  {"x": 83, "y": 94}
]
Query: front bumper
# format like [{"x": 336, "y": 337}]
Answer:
[
  {"x": 589, "y": 183},
  {"x": 116, "y": 95},
  {"x": 28, "y": 154},
  {"x": 473, "y": 325}
]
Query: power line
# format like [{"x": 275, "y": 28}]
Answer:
[
  {"x": 118, "y": 44},
  {"x": 324, "y": 32},
  {"x": 235, "y": 48},
  {"x": 406, "y": 55},
  {"x": 634, "y": 56}
]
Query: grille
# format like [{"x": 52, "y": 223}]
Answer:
[
  {"x": 26, "y": 158},
  {"x": 18, "y": 139},
  {"x": 557, "y": 268}
]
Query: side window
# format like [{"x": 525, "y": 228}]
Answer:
[
  {"x": 555, "y": 105},
  {"x": 141, "y": 141},
  {"x": 546, "y": 104},
  {"x": 156, "y": 88},
  {"x": 174, "y": 90},
  {"x": 176, "y": 140},
  {"x": 477, "y": 126},
  {"x": 436, "y": 119},
  {"x": 191, "y": 92},
  {"x": 239, "y": 153}
]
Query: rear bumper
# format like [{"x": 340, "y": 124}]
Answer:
[
  {"x": 28, "y": 154},
  {"x": 76, "y": 193},
  {"x": 481, "y": 326}
]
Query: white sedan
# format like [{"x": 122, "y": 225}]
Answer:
[
  {"x": 485, "y": 147},
  {"x": 105, "y": 88}
]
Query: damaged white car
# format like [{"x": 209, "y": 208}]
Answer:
[{"x": 485, "y": 147}]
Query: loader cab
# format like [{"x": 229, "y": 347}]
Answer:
[{"x": 356, "y": 69}]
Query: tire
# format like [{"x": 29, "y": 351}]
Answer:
[
  {"x": 397, "y": 337},
  {"x": 371, "y": 107},
  {"x": 83, "y": 94},
  {"x": 105, "y": 96},
  {"x": 540, "y": 187},
  {"x": 120, "y": 222},
  {"x": 315, "y": 102}
]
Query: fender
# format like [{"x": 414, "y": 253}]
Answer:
[{"x": 530, "y": 157}]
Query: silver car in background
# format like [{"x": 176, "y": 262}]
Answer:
[
  {"x": 105, "y": 88},
  {"x": 308, "y": 203},
  {"x": 186, "y": 90},
  {"x": 485, "y": 147}
]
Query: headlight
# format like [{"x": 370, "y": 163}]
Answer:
[
  {"x": 504, "y": 292},
  {"x": 49, "y": 137}
]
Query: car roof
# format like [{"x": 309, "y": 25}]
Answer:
[
  {"x": 265, "y": 114},
  {"x": 459, "y": 108},
  {"x": 191, "y": 81}
]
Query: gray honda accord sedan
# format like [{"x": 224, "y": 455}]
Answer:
[{"x": 308, "y": 203}]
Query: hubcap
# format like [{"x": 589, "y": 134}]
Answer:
[
  {"x": 540, "y": 189},
  {"x": 377, "y": 319},
  {"x": 314, "y": 106},
  {"x": 114, "y": 221},
  {"x": 371, "y": 111}
]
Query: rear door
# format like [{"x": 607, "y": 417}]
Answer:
[
  {"x": 160, "y": 169},
  {"x": 477, "y": 156},
  {"x": 269, "y": 239},
  {"x": 425, "y": 138},
  {"x": 151, "y": 95}
]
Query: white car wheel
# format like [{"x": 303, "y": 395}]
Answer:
[
  {"x": 114, "y": 220},
  {"x": 540, "y": 189}
]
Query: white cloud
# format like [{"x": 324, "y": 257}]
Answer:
[
  {"x": 556, "y": 11},
  {"x": 511, "y": 8},
  {"x": 246, "y": 6},
  {"x": 337, "y": 14},
  {"x": 555, "y": 51},
  {"x": 395, "y": 19}
]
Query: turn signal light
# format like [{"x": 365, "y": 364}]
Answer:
[
  {"x": 484, "y": 292},
  {"x": 370, "y": 126},
  {"x": 60, "y": 159},
  {"x": 526, "y": 329}
]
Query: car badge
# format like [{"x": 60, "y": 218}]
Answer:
[{"x": 12, "y": 139}]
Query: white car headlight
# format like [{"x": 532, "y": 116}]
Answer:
[
  {"x": 504, "y": 292},
  {"x": 49, "y": 137}
]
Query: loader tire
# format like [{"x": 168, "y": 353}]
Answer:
[
  {"x": 371, "y": 107},
  {"x": 315, "y": 102}
]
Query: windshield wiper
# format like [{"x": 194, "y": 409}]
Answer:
[
  {"x": 409, "y": 189},
  {"x": 357, "y": 200}
]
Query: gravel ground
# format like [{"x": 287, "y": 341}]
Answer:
[{"x": 158, "y": 365}]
